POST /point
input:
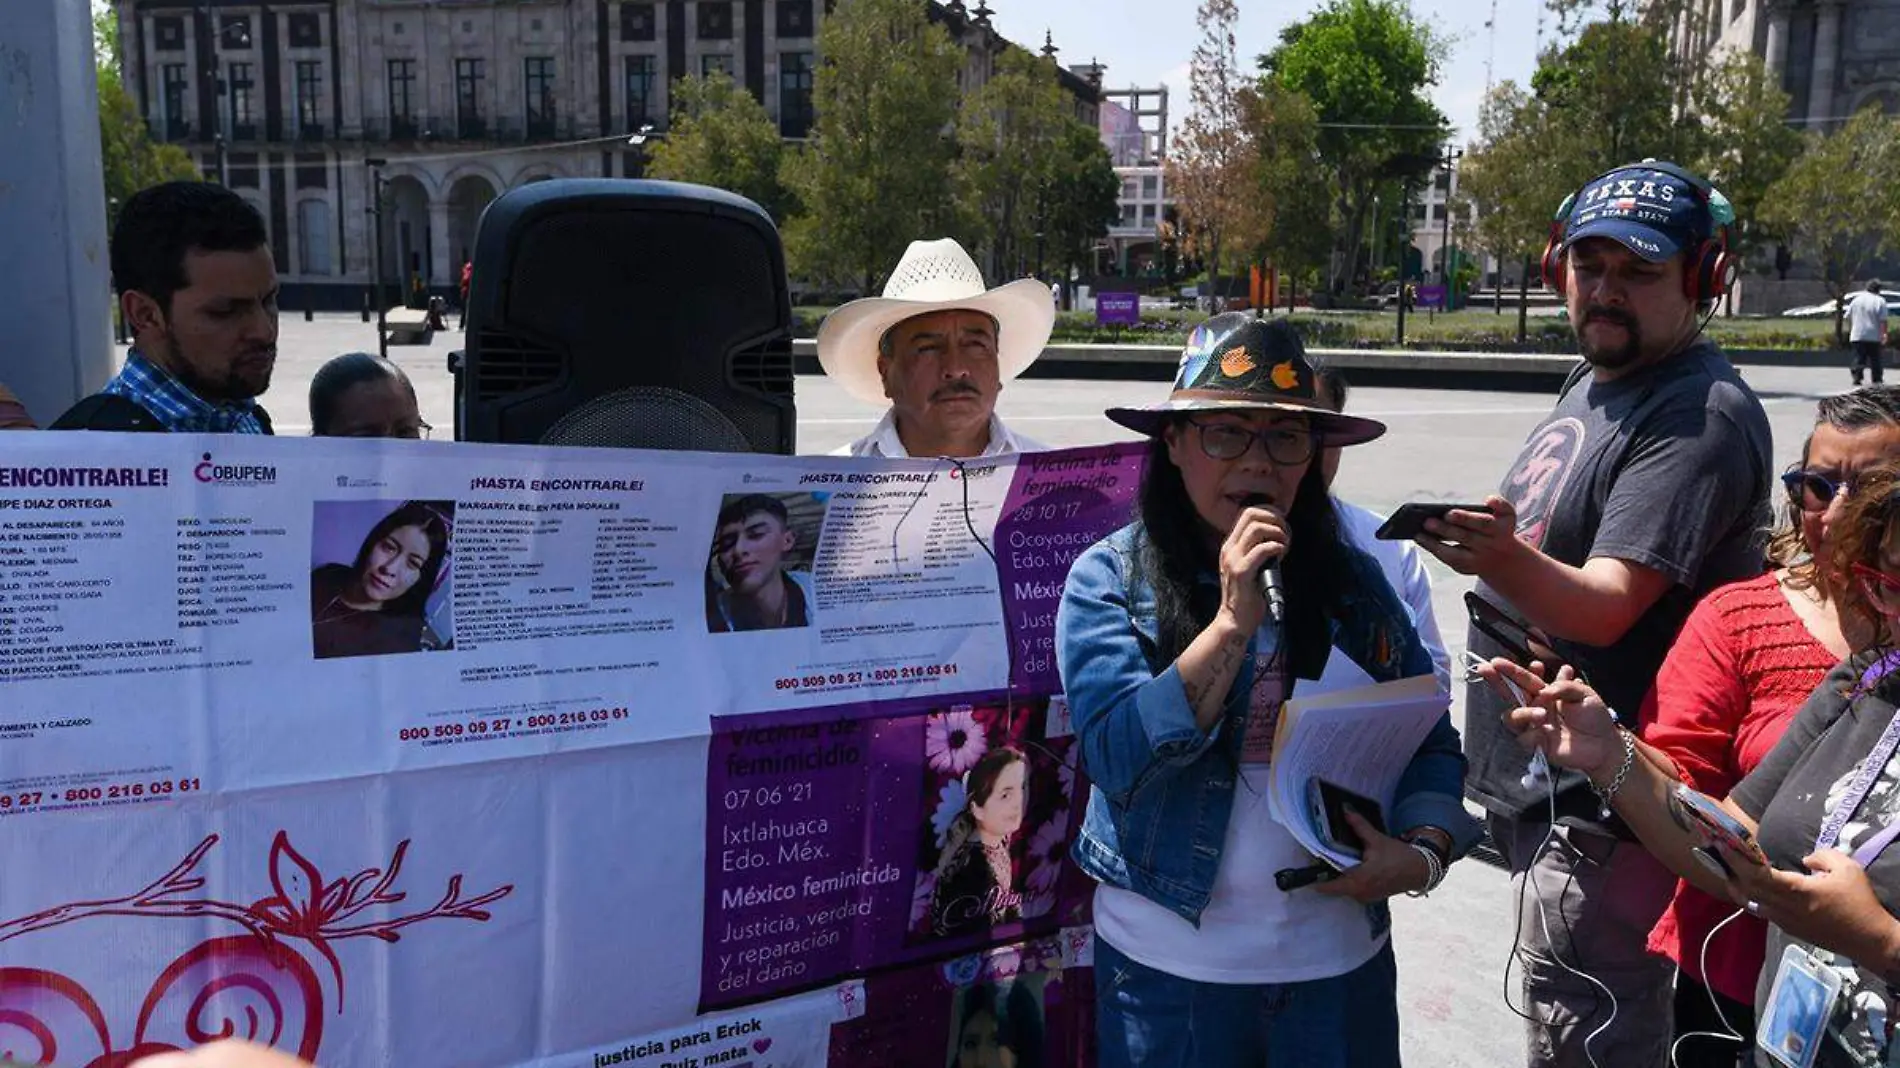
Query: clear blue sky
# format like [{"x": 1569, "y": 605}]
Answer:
[{"x": 1150, "y": 41}]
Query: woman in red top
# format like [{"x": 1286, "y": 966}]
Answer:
[{"x": 1745, "y": 661}]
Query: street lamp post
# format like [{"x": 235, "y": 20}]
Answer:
[
  {"x": 1451, "y": 157},
  {"x": 1404, "y": 214},
  {"x": 376, "y": 165},
  {"x": 208, "y": 70}
]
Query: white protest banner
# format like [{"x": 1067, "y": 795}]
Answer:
[{"x": 413, "y": 752}]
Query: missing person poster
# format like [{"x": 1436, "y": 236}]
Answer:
[{"x": 433, "y": 752}]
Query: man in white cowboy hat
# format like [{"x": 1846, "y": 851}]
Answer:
[{"x": 937, "y": 346}]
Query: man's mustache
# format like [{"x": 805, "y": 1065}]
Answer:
[
  {"x": 1610, "y": 315},
  {"x": 955, "y": 388}
]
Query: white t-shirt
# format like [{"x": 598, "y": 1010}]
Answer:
[
  {"x": 1404, "y": 565},
  {"x": 1866, "y": 316},
  {"x": 1252, "y": 931}
]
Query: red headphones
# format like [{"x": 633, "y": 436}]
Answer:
[{"x": 1709, "y": 267}]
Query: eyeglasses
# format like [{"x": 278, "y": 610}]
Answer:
[
  {"x": 1287, "y": 445},
  {"x": 1812, "y": 491},
  {"x": 1882, "y": 588}
]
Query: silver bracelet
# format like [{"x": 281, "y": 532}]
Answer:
[
  {"x": 1607, "y": 794},
  {"x": 1435, "y": 866}
]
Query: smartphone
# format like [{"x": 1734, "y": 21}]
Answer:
[
  {"x": 1711, "y": 825},
  {"x": 1409, "y": 521},
  {"x": 1329, "y": 802},
  {"x": 1521, "y": 644}
]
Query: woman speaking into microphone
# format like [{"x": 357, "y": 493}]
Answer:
[{"x": 1175, "y": 671}]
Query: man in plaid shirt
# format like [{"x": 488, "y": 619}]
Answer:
[{"x": 198, "y": 287}]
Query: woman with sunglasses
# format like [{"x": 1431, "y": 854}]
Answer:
[
  {"x": 1175, "y": 670},
  {"x": 1822, "y": 805},
  {"x": 1748, "y": 656}
]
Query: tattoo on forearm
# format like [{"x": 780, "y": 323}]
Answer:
[{"x": 1225, "y": 662}]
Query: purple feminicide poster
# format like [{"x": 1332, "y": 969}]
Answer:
[
  {"x": 893, "y": 839},
  {"x": 839, "y": 845},
  {"x": 1058, "y": 506}
]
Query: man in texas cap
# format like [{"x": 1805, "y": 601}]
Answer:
[
  {"x": 937, "y": 346},
  {"x": 1645, "y": 487}
]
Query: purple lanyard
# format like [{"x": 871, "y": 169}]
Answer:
[{"x": 1863, "y": 781}]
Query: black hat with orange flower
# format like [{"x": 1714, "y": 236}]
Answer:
[{"x": 1236, "y": 362}]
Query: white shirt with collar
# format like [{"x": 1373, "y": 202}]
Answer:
[
  {"x": 883, "y": 441},
  {"x": 1404, "y": 565}
]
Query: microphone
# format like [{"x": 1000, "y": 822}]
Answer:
[{"x": 1270, "y": 574}]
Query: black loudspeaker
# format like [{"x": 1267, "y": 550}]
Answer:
[{"x": 631, "y": 314}]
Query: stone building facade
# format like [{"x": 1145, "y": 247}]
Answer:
[
  {"x": 302, "y": 105},
  {"x": 1834, "y": 56}
]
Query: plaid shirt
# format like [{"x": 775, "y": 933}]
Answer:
[{"x": 173, "y": 404}]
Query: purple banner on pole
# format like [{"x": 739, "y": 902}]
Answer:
[
  {"x": 1123, "y": 308},
  {"x": 1431, "y": 296}
]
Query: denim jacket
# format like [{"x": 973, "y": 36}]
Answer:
[{"x": 1162, "y": 789}]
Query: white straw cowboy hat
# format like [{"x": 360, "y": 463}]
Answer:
[{"x": 933, "y": 276}]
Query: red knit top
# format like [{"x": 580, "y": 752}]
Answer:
[{"x": 1738, "y": 672}]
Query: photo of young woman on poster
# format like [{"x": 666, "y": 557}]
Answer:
[
  {"x": 392, "y": 596},
  {"x": 976, "y": 874},
  {"x": 997, "y": 1025}
]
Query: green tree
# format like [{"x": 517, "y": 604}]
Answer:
[
  {"x": 1512, "y": 180},
  {"x": 1007, "y": 135},
  {"x": 1837, "y": 202},
  {"x": 1608, "y": 98},
  {"x": 1211, "y": 168},
  {"x": 876, "y": 174},
  {"x": 132, "y": 159},
  {"x": 1084, "y": 199},
  {"x": 720, "y": 135},
  {"x": 1366, "y": 65},
  {"x": 1748, "y": 144},
  {"x": 1297, "y": 236}
]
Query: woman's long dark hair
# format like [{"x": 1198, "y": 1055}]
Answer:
[
  {"x": 435, "y": 527},
  {"x": 1175, "y": 551}
]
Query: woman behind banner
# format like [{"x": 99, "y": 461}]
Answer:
[
  {"x": 1175, "y": 672},
  {"x": 378, "y": 604},
  {"x": 1823, "y": 807}
]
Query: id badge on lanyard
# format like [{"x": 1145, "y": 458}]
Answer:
[
  {"x": 1807, "y": 987},
  {"x": 1800, "y": 1004}
]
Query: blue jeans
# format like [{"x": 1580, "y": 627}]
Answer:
[{"x": 1146, "y": 1018}]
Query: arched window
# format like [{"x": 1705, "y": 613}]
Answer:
[{"x": 313, "y": 236}]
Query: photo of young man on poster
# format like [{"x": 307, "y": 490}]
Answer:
[{"x": 759, "y": 576}]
